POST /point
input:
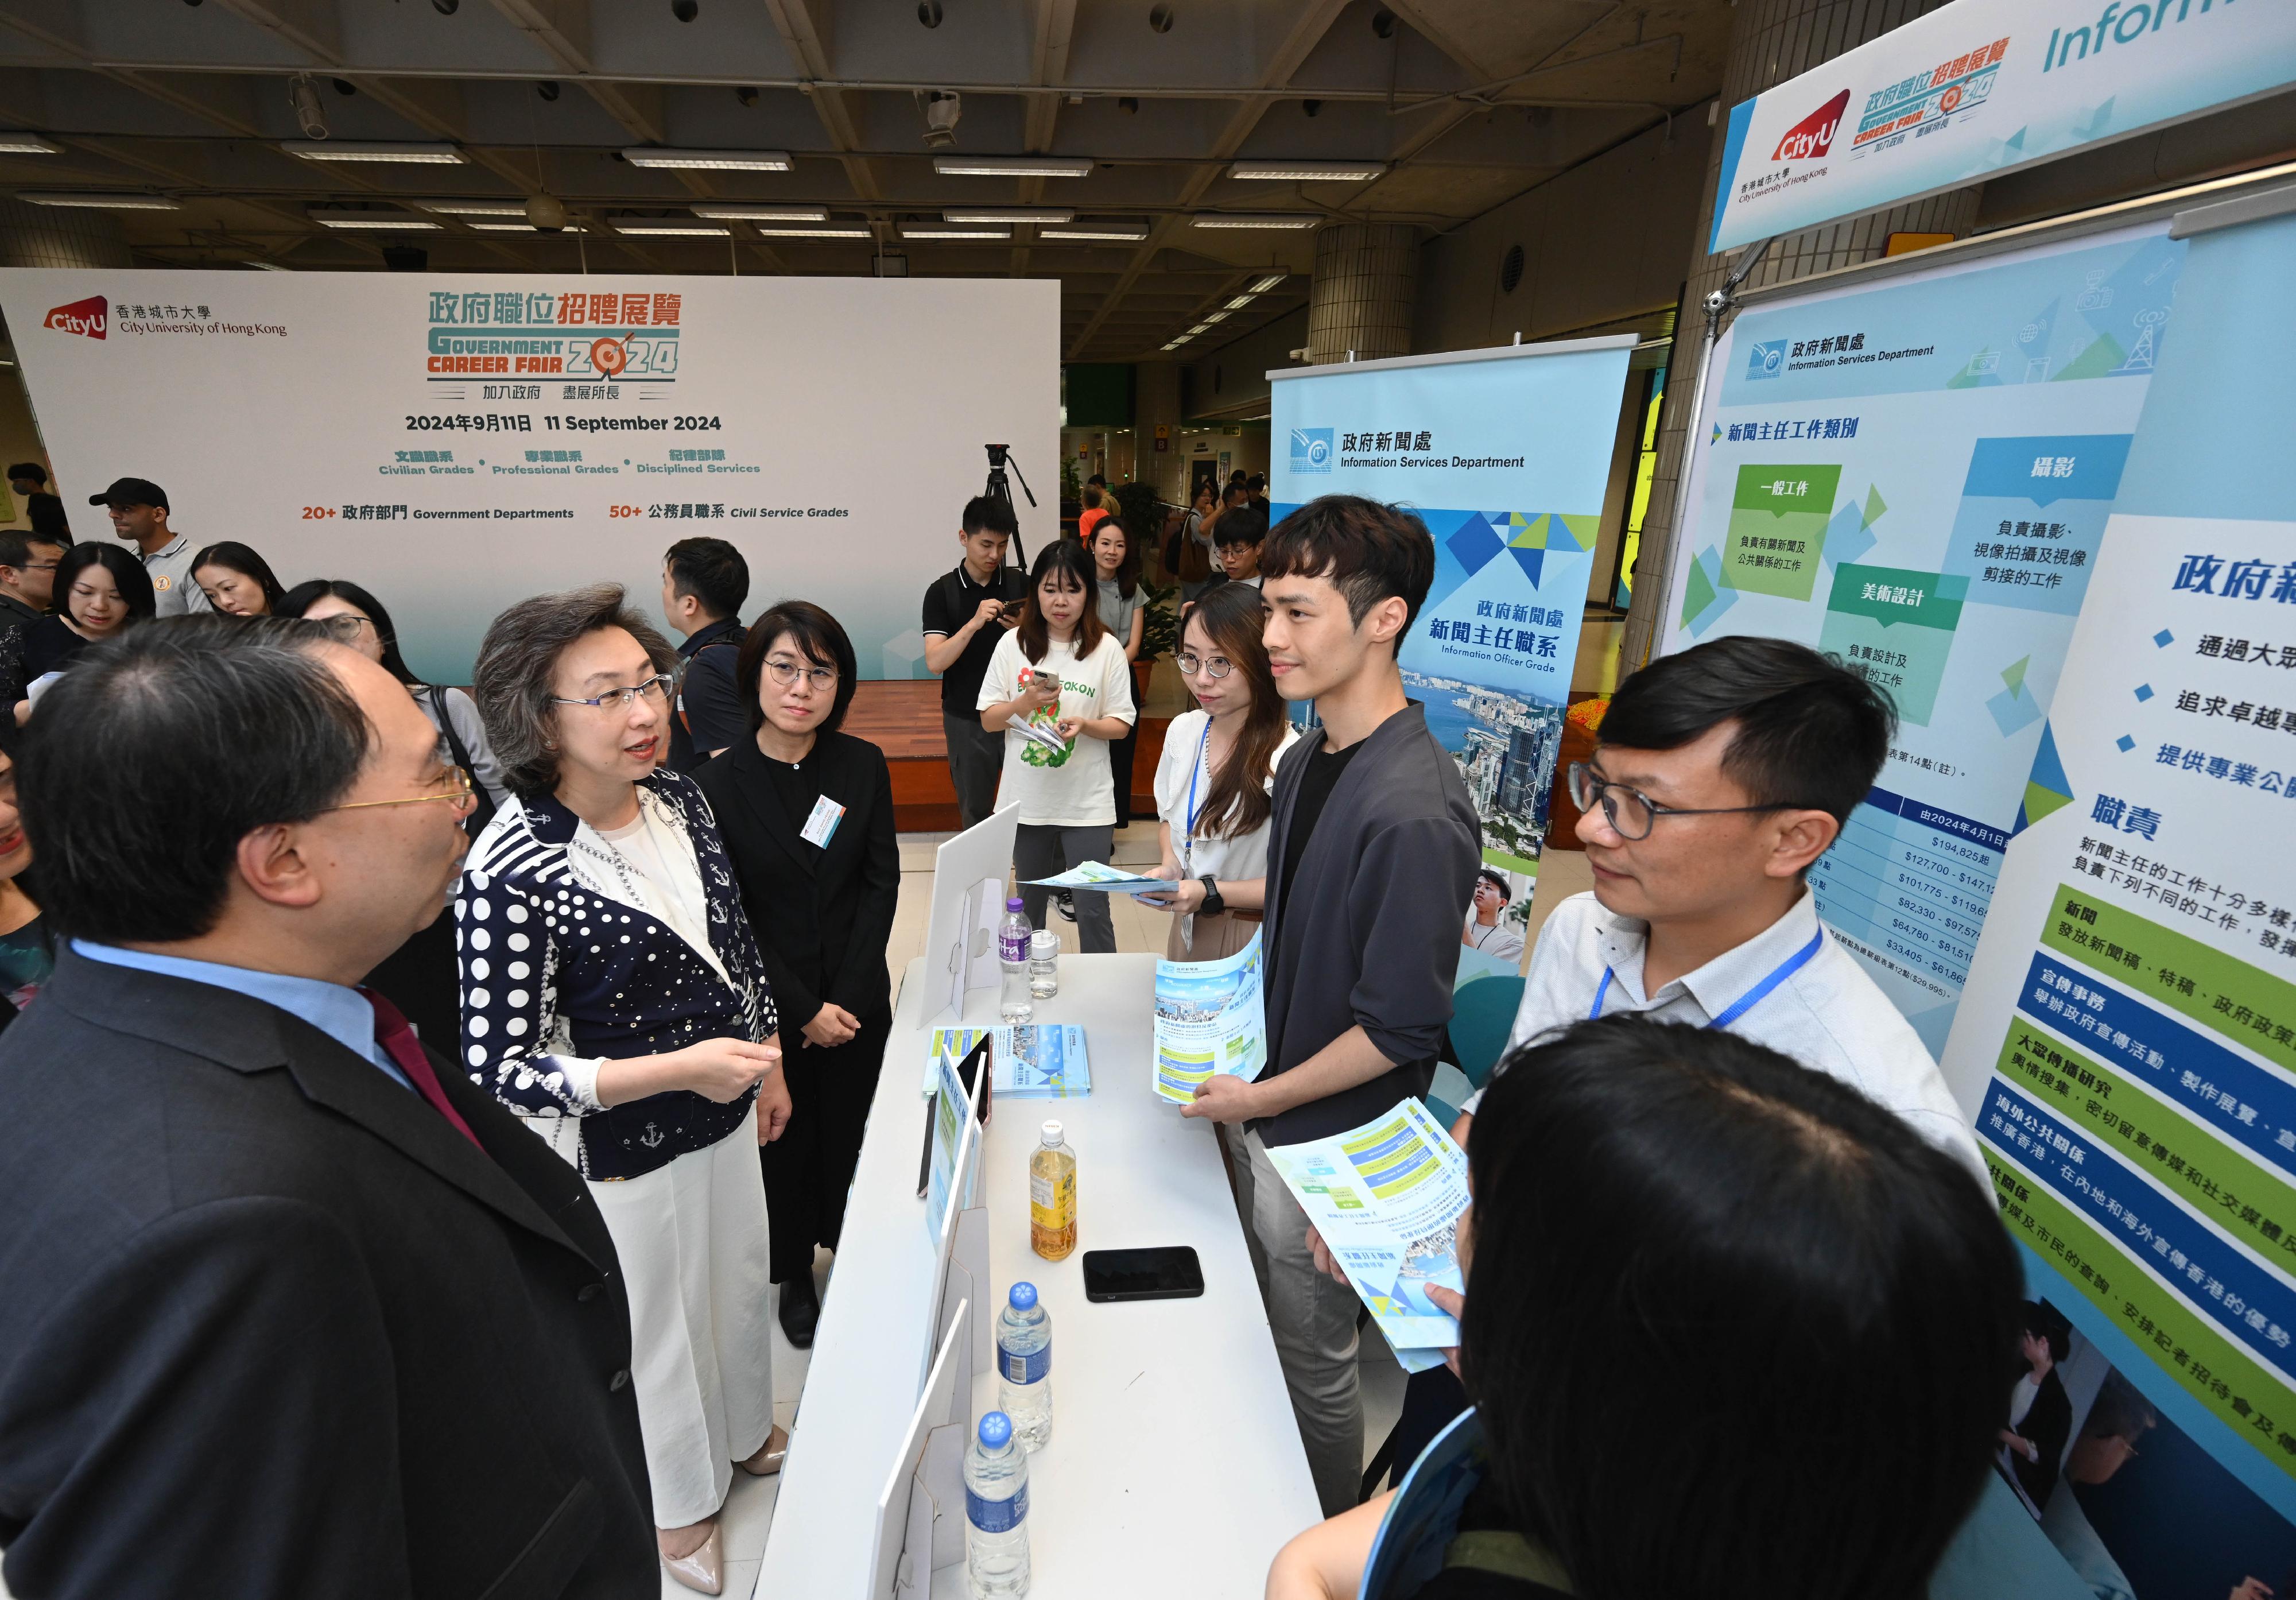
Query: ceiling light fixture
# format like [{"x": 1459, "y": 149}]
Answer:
[
  {"x": 725, "y": 213},
  {"x": 524, "y": 227},
  {"x": 340, "y": 149},
  {"x": 13, "y": 144},
  {"x": 710, "y": 160},
  {"x": 1116, "y": 234},
  {"x": 824, "y": 230},
  {"x": 1010, "y": 214},
  {"x": 473, "y": 207},
  {"x": 1010, "y": 167},
  {"x": 668, "y": 228},
  {"x": 929, "y": 230},
  {"x": 371, "y": 221},
  {"x": 1264, "y": 284},
  {"x": 1216, "y": 316},
  {"x": 303, "y": 98},
  {"x": 97, "y": 201},
  {"x": 1307, "y": 172},
  {"x": 1240, "y": 302},
  {"x": 1254, "y": 219},
  {"x": 1201, "y": 327}
]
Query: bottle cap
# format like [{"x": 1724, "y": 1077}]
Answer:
[
  {"x": 1052, "y": 1135},
  {"x": 1023, "y": 1297},
  {"x": 996, "y": 1431},
  {"x": 1015, "y": 903},
  {"x": 1044, "y": 941}
]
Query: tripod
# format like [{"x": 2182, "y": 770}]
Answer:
[{"x": 1000, "y": 456}]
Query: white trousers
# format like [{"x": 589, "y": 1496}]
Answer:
[{"x": 693, "y": 1242}]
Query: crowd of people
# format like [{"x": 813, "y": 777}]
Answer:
[{"x": 384, "y": 1060}]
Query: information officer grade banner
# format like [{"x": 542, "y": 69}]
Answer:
[
  {"x": 1504, "y": 454},
  {"x": 1914, "y": 475},
  {"x": 457, "y": 442},
  {"x": 1981, "y": 87}
]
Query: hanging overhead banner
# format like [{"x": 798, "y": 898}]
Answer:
[
  {"x": 2127, "y": 1038},
  {"x": 1980, "y": 87},
  {"x": 1504, "y": 454},
  {"x": 455, "y": 443},
  {"x": 1914, "y": 475}
]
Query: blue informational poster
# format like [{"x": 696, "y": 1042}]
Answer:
[
  {"x": 1915, "y": 476},
  {"x": 2128, "y": 1035},
  {"x": 1504, "y": 454}
]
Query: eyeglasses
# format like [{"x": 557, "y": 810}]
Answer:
[
  {"x": 1190, "y": 664},
  {"x": 345, "y": 627},
  {"x": 1630, "y": 811},
  {"x": 787, "y": 672},
  {"x": 40, "y": 566},
  {"x": 458, "y": 794},
  {"x": 655, "y": 688}
]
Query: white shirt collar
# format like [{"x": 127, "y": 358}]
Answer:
[{"x": 1721, "y": 982}]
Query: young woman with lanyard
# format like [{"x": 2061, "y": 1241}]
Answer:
[{"x": 1214, "y": 782}]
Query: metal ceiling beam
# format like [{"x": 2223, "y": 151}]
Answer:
[{"x": 806, "y": 37}]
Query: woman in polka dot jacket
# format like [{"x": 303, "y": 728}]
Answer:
[{"x": 612, "y": 995}]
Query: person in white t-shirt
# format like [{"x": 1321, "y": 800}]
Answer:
[
  {"x": 1217, "y": 778},
  {"x": 1061, "y": 690}
]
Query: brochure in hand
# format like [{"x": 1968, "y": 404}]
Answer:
[
  {"x": 1033, "y": 1063},
  {"x": 1098, "y": 874},
  {"x": 1387, "y": 1197},
  {"x": 1209, "y": 1018}
]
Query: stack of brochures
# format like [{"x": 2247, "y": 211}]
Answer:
[
  {"x": 1209, "y": 1018},
  {"x": 1032, "y": 1062}
]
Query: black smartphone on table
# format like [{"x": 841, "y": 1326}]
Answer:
[{"x": 1164, "y": 1272}]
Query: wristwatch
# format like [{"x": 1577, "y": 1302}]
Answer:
[{"x": 1213, "y": 904}]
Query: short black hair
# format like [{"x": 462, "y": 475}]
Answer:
[
  {"x": 1096, "y": 481},
  {"x": 312, "y": 590},
  {"x": 160, "y": 749},
  {"x": 243, "y": 560},
  {"x": 1795, "y": 1301},
  {"x": 986, "y": 514},
  {"x": 819, "y": 635},
  {"x": 127, "y": 576},
  {"x": 1496, "y": 878},
  {"x": 1241, "y": 526},
  {"x": 1811, "y": 732},
  {"x": 27, "y": 469},
  {"x": 1368, "y": 550},
  {"x": 2046, "y": 1323},
  {"x": 16, "y": 545},
  {"x": 1255, "y": 482},
  {"x": 711, "y": 570}
]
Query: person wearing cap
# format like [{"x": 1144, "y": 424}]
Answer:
[{"x": 139, "y": 515}]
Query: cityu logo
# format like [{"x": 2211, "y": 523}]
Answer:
[
  {"x": 1813, "y": 136},
  {"x": 86, "y": 317}
]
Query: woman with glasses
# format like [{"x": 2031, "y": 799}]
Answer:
[
  {"x": 358, "y": 618},
  {"x": 613, "y": 996},
  {"x": 807, "y": 815},
  {"x": 237, "y": 581},
  {"x": 1214, "y": 783}
]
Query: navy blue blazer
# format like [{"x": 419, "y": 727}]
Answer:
[{"x": 563, "y": 965}]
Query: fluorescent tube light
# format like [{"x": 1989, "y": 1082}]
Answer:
[
  {"x": 910, "y": 230},
  {"x": 1240, "y": 302},
  {"x": 710, "y": 160},
  {"x": 99, "y": 201},
  {"x": 1268, "y": 282},
  {"x": 1011, "y": 214},
  {"x": 395, "y": 222},
  {"x": 668, "y": 228},
  {"x": 1010, "y": 167},
  {"x": 727, "y": 213},
  {"x": 1254, "y": 219},
  {"x": 1307, "y": 172},
  {"x": 352, "y": 150},
  {"x": 1114, "y": 233},
  {"x": 824, "y": 230},
  {"x": 473, "y": 207},
  {"x": 15, "y": 143}
]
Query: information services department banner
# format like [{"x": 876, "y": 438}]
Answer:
[
  {"x": 1916, "y": 477},
  {"x": 457, "y": 442},
  {"x": 1981, "y": 87},
  {"x": 2127, "y": 1038},
  {"x": 1504, "y": 454}
]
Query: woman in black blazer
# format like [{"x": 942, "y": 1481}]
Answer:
[{"x": 806, "y": 816}]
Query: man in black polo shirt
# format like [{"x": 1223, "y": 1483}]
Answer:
[
  {"x": 704, "y": 583},
  {"x": 966, "y": 612},
  {"x": 1374, "y": 846}
]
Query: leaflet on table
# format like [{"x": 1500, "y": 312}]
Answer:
[
  {"x": 1032, "y": 1062},
  {"x": 1098, "y": 875},
  {"x": 1209, "y": 1018},
  {"x": 1387, "y": 1198}
]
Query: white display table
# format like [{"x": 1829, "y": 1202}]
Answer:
[{"x": 1175, "y": 1465}]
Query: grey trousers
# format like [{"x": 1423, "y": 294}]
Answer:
[
  {"x": 976, "y": 758},
  {"x": 1039, "y": 852},
  {"x": 1313, "y": 1319}
]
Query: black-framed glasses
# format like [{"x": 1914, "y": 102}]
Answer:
[
  {"x": 1211, "y": 666},
  {"x": 655, "y": 689},
  {"x": 786, "y": 673},
  {"x": 1631, "y": 812}
]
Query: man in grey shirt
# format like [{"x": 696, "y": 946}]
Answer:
[
  {"x": 1372, "y": 854},
  {"x": 139, "y": 515}
]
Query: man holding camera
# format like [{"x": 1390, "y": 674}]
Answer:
[{"x": 967, "y": 612}]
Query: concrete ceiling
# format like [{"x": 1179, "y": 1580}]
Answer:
[{"x": 1465, "y": 104}]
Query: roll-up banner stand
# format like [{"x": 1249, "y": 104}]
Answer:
[
  {"x": 455, "y": 442},
  {"x": 1504, "y": 454}
]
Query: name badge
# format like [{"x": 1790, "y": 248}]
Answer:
[{"x": 827, "y": 815}]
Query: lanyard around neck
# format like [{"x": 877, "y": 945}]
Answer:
[{"x": 1745, "y": 1002}]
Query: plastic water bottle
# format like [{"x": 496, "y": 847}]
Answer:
[
  {"x": 1044, "y": 964},
  {"x": 1053, "y": 1195},
  {"x": 995, "y": 1512},
  {"x": 1013, "y": 955},
  {"x": 1024, "y": 1365}
]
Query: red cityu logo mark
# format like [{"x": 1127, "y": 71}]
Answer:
[
  {"x": 86, "y": 317},
  {"x": 1813, "y": 136}
]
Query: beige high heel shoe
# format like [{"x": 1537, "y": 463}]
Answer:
[
  {"x": 770, "y": 1455},
  {"x": 702, "y": 1570}
]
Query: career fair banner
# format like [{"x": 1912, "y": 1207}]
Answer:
[
  {"x": 1504, "y": 454},
  {"x": 1981, "y": 87},
  {"x": 457, "y": 442},
  {"x": 2128, "y": 1034},
  {"x": 1915, "y": 476}
]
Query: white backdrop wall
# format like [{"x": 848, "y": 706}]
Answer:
[{"x": 457, "y": 442}]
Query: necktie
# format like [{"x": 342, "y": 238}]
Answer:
[{"x": 397, "y": 1040}]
